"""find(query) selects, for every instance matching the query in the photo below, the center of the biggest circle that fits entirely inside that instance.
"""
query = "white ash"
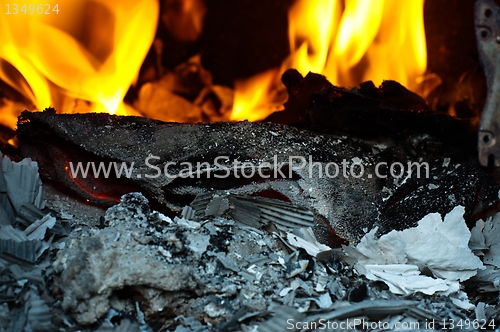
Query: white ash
(98, 262)
(215, 274)
(225, 265)
(147, 272)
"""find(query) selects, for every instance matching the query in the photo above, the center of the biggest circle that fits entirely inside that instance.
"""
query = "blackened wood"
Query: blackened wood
(351, 205)
(368, 112)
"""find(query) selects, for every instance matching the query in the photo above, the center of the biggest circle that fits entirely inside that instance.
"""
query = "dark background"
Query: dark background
(451, 40)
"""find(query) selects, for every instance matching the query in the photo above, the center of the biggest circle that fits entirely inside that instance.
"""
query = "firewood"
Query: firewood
(368, 112)
(351, 205)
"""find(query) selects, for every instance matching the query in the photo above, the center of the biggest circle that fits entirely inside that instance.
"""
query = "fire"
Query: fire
(69, 53)
(348, 42)
(251, 92)
(83, 55)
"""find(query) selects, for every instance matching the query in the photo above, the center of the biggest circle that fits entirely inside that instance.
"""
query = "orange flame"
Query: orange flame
(83, 55)
(253, 91)
(364, 40)
(69, 50)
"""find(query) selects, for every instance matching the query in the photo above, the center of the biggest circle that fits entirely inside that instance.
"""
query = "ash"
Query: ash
(140, 270)
(69, 266)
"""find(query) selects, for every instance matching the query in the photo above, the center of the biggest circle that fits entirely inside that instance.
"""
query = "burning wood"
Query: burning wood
(293, 163)
(262, 208)
(344, 196)
(370, 113)
(104, 47)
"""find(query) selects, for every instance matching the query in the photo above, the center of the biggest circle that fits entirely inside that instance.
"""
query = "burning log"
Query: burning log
(317, 171)
(368, 112)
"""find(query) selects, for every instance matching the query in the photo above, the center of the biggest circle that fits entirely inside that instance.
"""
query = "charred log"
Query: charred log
(368, 112)
(351, 204)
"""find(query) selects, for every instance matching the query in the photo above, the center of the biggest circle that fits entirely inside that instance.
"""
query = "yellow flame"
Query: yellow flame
(88, 49)
(349, 42)
(311, 26)
(258, 91)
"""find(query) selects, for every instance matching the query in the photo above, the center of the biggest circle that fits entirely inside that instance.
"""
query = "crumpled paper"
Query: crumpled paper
(435, 247)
